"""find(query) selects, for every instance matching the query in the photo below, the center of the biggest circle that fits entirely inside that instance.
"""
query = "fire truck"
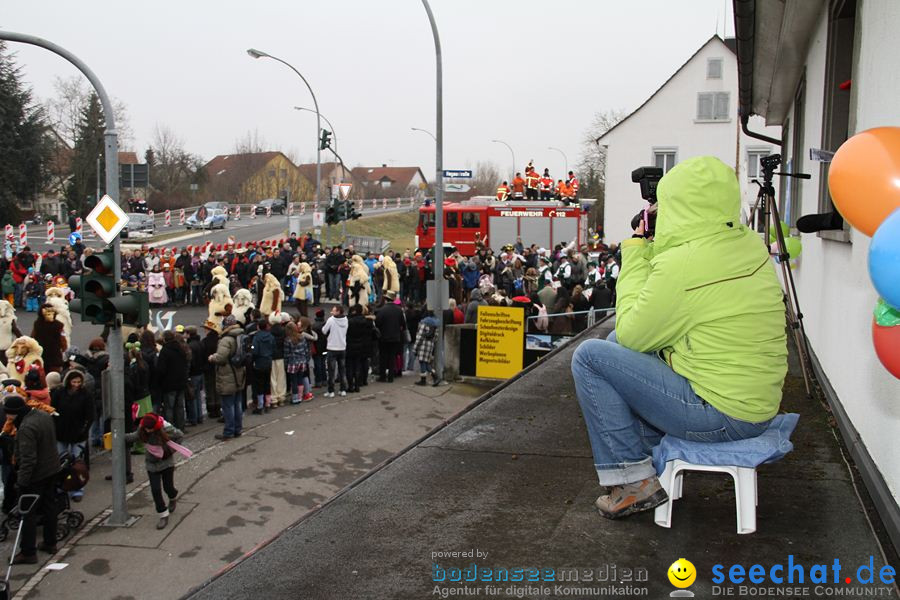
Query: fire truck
(497, 223)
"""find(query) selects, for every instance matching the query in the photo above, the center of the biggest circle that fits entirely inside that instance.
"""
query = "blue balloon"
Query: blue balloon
(884, 259)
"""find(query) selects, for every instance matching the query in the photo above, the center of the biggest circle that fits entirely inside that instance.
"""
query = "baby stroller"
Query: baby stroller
(23, 507)
(72, 476)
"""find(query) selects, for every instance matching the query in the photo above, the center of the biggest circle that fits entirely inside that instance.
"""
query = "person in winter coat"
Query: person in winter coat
(318, 349)
(150, 354)
(424, 347)
(700, 318)
(38, 465)
(76, 413)
(199, 364)
(390, 322)
(95, 362)
(172, 367)
(210, 344)
(361, 336)
(278, 381)
(155, 433)
(230, 378)
(263, 350)
(296, 359)
(475, 300)
(336, 330)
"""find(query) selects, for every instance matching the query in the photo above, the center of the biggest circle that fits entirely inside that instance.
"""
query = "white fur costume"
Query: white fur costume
(220, 303)
(391, 276)
(271, 296)
(359, 280)
(243, 300)
(220, 274)
(304, 289)
(24, 352)
(56, 297)
(7, 320)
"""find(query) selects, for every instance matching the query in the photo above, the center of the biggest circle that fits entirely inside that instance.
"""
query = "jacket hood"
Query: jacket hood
(697, 198)
(340, 321)
(476, 294)
(73, 373)
(233, 331)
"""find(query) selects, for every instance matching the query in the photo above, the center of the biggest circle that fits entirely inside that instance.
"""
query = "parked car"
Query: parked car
(219, 206)
(138, 205)
(139, 224)
(205, 218)
(276, 204)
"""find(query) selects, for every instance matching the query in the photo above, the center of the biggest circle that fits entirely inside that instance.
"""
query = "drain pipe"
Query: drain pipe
(745, 36)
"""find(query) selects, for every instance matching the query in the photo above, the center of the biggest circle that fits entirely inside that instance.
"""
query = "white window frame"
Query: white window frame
(664, 151)
(710, 69)
(717, 100)
(753, 156)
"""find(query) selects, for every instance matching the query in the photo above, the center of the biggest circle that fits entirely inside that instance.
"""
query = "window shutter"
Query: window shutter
(722, 102)
(704, 106)
(714, 68)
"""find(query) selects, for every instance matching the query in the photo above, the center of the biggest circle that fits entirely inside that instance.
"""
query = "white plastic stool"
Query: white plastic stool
(745, 492)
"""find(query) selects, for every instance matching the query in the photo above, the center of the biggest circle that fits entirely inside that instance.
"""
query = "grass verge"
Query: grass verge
(398, 228)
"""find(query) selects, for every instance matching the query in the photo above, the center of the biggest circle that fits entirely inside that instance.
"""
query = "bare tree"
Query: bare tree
(70, 97)
(592, 164)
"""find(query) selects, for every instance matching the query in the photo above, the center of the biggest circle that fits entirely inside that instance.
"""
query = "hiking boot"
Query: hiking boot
(624, 500)
(422, 381)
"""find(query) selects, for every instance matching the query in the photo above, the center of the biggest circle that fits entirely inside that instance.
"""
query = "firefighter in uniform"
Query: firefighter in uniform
(531, 182)
(560, 189)
(503, 192)
(573, 183)
(518, 187)
(546, 185)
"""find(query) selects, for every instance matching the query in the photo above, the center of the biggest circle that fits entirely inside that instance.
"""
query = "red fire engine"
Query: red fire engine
(498, 223)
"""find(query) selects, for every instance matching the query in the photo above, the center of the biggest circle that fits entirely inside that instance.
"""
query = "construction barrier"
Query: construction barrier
(384, 204)
(51, 235)
(237, 213)
(252, 211)
(303, 208)
(23, 235)
(78, 225)
(181, 217)
(374, 203)
(268, 211)
(398, 202)
(290, 209)
(168, 218)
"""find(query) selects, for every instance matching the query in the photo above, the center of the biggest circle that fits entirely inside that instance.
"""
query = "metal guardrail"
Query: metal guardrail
(592, 314)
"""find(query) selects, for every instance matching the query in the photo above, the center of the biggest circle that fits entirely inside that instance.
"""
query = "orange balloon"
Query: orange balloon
(864, 178)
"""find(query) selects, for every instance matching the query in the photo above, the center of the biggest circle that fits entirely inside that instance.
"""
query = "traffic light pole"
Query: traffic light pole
(119, 515)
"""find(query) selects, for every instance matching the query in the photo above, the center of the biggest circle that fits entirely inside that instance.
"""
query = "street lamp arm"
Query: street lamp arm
(511, 152)
(424, 131)
(333, 131)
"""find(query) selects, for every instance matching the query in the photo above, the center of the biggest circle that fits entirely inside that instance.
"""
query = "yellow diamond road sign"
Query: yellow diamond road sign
(107, 219)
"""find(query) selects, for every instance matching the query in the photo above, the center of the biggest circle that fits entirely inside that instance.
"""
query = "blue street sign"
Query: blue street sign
(458, 173)
(74, 237)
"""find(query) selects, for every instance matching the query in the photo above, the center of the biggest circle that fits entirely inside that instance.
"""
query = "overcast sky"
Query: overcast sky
(527, 72)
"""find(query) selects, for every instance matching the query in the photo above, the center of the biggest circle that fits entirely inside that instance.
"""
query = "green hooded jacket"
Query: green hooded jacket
(704, 294)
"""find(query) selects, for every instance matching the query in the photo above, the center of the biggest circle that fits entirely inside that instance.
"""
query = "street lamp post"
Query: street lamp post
(566, 158)
(513, 157)
(424, 131)
(260, 54)
(119, 515)
(438, 198)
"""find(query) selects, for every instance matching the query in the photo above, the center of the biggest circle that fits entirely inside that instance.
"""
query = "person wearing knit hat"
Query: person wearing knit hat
(156, 433)
(38, 462)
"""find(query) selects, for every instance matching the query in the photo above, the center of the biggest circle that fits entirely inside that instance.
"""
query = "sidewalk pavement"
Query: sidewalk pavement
(511, 484)
(235, 495)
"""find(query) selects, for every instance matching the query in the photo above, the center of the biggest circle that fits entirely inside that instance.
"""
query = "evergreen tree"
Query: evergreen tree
(82, 188)
(24, 151)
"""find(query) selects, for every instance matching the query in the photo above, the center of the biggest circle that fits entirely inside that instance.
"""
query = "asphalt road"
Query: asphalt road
(245, 230)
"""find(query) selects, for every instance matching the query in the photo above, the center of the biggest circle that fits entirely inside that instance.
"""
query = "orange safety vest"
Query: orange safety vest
(573, 183)
(561, 189)
(502, 192)
(546, 183)
(531, 179)
(567, 191)
(519, 185)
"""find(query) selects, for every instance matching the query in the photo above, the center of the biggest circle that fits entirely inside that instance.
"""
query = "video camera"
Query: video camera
(648, 178)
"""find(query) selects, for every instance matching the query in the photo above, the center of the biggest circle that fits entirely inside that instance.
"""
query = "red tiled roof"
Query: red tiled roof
(308, 170)
(248, 164)
(398, 176)
(128, 158)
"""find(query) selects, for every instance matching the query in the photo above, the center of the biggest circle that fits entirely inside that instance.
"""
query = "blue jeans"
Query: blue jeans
(233, 411)
(630, 400)
(195, 406)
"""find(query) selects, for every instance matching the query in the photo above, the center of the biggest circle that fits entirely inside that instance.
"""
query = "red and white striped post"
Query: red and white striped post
(78, 226)
(181, 217)
(10, 236)
(290, 209)
(252, 211)
(268, 211)
(384, 204)
(374, 203)
(150, 214)
(303, 208)
(411, 201)
(231, 240)
(398, 202)
(51, 235)
(237, 213)
(23, 235)
(168, 218)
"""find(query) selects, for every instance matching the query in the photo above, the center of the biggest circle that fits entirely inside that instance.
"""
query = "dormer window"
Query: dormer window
(714, 68)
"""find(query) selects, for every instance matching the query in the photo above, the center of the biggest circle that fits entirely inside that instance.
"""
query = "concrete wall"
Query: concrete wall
(668, 120)
(835, 292)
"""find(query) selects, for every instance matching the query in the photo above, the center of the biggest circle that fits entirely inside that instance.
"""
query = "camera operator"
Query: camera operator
(699, 351)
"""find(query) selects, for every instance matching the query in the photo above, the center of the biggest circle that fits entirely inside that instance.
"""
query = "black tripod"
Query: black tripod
(768, 208)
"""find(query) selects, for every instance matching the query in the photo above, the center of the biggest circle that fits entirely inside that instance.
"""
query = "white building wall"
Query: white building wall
(668, 120)
(835, 292)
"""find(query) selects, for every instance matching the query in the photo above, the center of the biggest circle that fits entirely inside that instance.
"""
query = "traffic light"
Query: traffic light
(96, 300)
(325, 142)
(352, 213)
(93, 290)
(331, 215)
(341, 211)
